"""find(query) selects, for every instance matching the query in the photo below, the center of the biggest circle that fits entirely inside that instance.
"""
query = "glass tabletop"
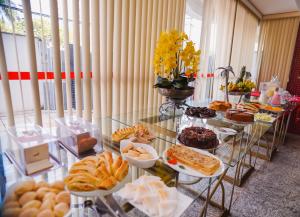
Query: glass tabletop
(10, 174)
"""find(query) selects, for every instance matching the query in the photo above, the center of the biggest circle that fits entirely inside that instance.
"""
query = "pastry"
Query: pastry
(61, 209)
(86, 144)
(152, 195)
(31, 195)
(40, 200)
(11, 212)
(139, 132)
(32, 204)
(97, 172)
(24, 187)
(203, 163)
(198, 137)
(30, 212)
(138, 153)
(63, 196)
(219, 105)
(46, 213)
(200, 112)
(248, 107)
(239, 115)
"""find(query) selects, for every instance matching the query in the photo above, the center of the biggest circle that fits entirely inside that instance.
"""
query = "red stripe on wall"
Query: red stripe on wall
(41, 75)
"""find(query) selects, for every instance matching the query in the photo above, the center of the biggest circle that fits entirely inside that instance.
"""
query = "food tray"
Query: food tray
(182, 204)
(191, 172)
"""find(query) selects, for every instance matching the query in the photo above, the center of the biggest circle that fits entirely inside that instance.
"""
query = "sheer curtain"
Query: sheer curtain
(277, 42)
(216, 39)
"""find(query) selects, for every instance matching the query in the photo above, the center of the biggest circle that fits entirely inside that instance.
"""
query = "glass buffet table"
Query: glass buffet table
(233, 151)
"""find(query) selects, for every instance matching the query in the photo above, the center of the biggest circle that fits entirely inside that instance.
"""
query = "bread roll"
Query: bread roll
(11, 212)
(11, 197)
(32, 204)
(48, 204)
(11, 204)
(24, 187)
(30, 195)
(61, 209)
(60, 185)
(42, 184)
(40, 193)
(86, 144)
(49, 195)
(64, 197)
(46, 213)
(31, 212)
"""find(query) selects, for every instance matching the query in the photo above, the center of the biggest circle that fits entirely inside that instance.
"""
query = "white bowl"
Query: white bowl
(139, 163)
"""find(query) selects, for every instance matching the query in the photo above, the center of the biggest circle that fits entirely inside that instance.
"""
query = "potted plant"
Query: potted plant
(176, 63)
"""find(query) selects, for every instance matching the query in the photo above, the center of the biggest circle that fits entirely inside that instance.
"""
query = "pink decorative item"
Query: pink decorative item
(276, 98)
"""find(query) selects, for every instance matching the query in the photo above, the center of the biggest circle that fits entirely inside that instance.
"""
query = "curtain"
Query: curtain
(215, 43)
(127, 76)
(277, 42)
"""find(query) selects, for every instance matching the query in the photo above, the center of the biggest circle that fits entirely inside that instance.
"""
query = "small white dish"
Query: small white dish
(139, 163)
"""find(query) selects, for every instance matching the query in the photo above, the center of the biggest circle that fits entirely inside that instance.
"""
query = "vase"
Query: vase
(176, 100)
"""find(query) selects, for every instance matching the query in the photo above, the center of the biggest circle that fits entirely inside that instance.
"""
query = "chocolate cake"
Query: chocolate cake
(198, 137)
(239, 115)
(200, 112)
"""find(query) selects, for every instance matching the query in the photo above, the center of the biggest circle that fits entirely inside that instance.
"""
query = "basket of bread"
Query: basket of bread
(29, 198)
(138, 133)
(97, 175)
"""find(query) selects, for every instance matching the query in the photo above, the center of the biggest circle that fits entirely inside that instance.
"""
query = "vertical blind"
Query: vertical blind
(123, 35)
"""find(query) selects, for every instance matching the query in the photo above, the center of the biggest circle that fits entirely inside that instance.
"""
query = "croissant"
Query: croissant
(122, 171)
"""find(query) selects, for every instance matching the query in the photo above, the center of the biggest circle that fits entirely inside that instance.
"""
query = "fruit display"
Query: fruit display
(242, 87)
(41, 199)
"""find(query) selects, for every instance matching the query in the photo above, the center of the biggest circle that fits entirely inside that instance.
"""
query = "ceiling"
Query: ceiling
(276, 6)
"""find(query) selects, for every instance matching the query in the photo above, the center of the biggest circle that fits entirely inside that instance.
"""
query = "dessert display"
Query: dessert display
(138, 153)
(40, 199)
(264, 117)
(151, 196)
(202, 163)
(250, 107)
(96, 172)
(239, 115)
(198, 137)
(139, 132)
(200, 112)
(219, 105)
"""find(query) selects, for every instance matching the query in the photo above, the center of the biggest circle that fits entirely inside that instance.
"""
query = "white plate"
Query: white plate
(139, 163)
(191, 172)
(226, 131)
(182, 204)
(11, 188)
(97, 193)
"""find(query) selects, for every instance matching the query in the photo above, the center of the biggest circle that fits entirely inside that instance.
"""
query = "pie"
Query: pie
(203, 163)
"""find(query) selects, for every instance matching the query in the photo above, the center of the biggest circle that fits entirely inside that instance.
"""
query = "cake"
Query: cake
(198, 137)
(239, 115)
(200, 112)
(219, 105)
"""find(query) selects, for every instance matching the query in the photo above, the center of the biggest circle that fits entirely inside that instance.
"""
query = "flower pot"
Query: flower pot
(177, 95)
